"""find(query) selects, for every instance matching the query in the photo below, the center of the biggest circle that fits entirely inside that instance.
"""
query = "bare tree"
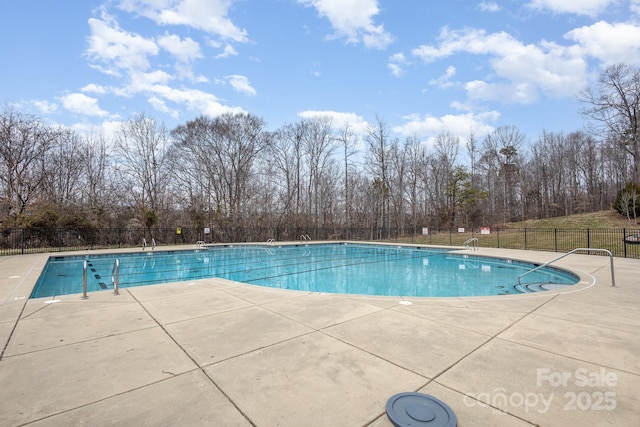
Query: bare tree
(225, 150)
(615, 166)
(590, 167)
(586, 173)
(378, 163)
(551, 166)
(398, 181)
(318, 146)
(244, 138)
(100, 187)
(197, 172)
(614, 104)
(24, 142)
(229, 171)
(442, 163)
(64, 164)
(502, 160)
(416, 167)
(142, 146)
(348, 139)
(472, 151)
(287, 160)
(627, 204)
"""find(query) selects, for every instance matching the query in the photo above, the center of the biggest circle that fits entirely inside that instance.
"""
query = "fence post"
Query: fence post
(22, 241)
(588, 239)
(525, 239)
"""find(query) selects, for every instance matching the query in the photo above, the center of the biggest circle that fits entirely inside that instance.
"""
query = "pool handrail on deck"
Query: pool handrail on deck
(115, 276)
(613, 279)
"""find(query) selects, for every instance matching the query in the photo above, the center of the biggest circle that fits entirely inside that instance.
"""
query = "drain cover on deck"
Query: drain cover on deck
(417, 410)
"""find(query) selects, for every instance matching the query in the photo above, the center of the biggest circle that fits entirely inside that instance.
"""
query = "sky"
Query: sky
(423, 67)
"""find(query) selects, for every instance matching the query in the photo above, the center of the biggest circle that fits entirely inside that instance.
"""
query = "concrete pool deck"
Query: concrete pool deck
(215, 352)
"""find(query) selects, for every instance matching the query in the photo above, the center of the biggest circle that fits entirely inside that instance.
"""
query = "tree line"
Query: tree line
(231, 171)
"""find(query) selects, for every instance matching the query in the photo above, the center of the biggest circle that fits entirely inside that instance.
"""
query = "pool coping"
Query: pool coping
(221, 349)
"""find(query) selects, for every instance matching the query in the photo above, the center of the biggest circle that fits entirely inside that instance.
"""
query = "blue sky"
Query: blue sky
(424, 67)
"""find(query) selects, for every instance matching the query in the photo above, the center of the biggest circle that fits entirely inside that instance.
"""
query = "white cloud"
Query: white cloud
(158, 104)
(470, 40)
(339, 120)
(227, 52)
(526, 70)
(241, 84)
(117, 49)
(155, 86)
(82, 104)
(444, 81)
(353, 19)
(142, 82)
(489, 6)
(133, 57)
(508, 93)
(376, 37)
(194, 100)
(94, 88)
(610, 43)
(396, 64)
(461, 125)
(578, 7)
(184, 50)
(395, 69)
(46, 107)
(206, 15)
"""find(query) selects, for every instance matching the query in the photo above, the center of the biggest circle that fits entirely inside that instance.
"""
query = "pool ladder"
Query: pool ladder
(115, 278)
(305, 237)
(473, 242)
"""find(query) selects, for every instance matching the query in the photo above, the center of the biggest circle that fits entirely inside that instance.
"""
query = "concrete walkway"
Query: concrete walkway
(220, 353)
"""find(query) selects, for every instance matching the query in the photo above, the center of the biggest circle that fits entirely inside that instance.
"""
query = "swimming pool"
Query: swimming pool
(329, 268)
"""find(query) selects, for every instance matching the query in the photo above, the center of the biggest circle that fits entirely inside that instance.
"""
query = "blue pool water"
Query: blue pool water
(330, 268)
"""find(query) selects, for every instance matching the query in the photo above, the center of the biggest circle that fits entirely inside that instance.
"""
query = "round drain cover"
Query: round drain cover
(418, 410)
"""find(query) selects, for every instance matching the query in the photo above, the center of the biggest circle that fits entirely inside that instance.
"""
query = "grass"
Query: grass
(601, 230)
(595, 220)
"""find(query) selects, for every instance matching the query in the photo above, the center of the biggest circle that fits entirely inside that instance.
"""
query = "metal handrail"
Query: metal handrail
(115, 276)
(84, 281)
(305, 237)
(613, 278)
(475, 243)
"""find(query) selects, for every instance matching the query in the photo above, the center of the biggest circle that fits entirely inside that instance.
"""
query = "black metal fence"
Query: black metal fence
(621, 242)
